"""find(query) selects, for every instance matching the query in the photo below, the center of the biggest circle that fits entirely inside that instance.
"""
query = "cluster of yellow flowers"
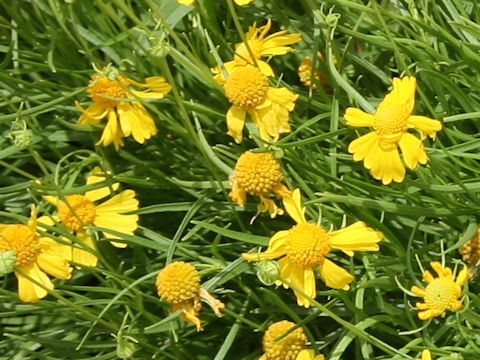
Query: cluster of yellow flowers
(303, 250)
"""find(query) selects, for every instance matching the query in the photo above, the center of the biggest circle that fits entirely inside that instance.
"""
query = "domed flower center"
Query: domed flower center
(390, 119)
(470, 251)
(21, 240)
(442, 293)
(258, 173)
(101, 86)
(246, 87)
(286, 348)
(76, 212)
(178, 282)
(307, 245)
(242, 55)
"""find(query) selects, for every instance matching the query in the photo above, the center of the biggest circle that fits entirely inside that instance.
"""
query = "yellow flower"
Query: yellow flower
(305, 247)
(35, 256)
(238, 2)
(258, 174)
(248, 91)
(124, 118)
(309, 355)
(441, 293)
(379, 148)
(470, 251)
(286, 348)
(260, 46)
(178, 283)
(77, 211)
(426, 355)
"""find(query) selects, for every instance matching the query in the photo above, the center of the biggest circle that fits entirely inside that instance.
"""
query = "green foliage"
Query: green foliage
(49, 49)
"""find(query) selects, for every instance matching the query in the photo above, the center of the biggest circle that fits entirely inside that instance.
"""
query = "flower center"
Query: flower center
(441, 293)
(470, 251)
(307, 245)
(178, 282)
(79, 212)
(258, 173)
(21, 240)
(246, 87)
(101, 86)
(286, 348)
(390, 119)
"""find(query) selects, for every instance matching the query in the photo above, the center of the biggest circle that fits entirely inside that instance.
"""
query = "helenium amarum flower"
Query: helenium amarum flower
(379, 149)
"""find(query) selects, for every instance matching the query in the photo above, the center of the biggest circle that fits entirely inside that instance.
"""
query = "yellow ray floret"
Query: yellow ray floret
(178, 283)
(259, 174)
(77, 211)
(115, 98)
(304, 248)
(36, 256)
(258, 45)
(441, 293)
(238, 2)
(309, 355)
(426, 355)
(379, 149)
(248, 91)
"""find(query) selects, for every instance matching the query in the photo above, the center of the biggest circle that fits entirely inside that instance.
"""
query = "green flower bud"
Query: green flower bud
(8, 259)
(19, 134)
(268, 271)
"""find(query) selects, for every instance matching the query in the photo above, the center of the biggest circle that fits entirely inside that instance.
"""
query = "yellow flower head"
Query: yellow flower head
(286, 348)
(426, 355)
(305, 72)
(309, 355)
(77, 211)
(441, 293)
(248, 91)
(258, 174)
(260, 46)
(35, 256)
(124, 118)
(238, 2)
(379, 148)
(305, 247)
(178, 283)
(470, 251)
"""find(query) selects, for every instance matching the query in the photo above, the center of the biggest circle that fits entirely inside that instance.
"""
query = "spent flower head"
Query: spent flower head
(305, 247)
(441, 293)
(178, 283)
(391, 121)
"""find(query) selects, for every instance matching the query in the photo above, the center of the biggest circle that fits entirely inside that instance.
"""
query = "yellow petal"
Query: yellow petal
(235, 122)
(357, 117)
(276, 248)
(424, 124)
(403, 93)
(385, 165)
(296, 277)
(52, 259)
(27, 290)
(94, 177)
(306, 355)
(135, 120)
(293, 206)
(81, 256)
(92, 115)
(426, 355)
(243, 2)
(356, 237)
(186, 2)
(265, 68)
(361, 147)
(112, 132)
(412, 150)
(335, 276)
(52, 200)
(269, 205)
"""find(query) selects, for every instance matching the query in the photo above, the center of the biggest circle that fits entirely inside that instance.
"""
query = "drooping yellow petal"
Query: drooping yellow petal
(112, 133)
(92, 115)
(424, 124)
(356, 237)
(296, 277)
(402, 94)
(243, 2)
(235, 122)
(412, 150)
(361, 147)
(357, 117)
(94, 177)
(293, 206)
(426, 355)
(186, 2)
(27, 290)
(52, 258)
(135, 120)
(108, 214)
(267, 204)
(81, 256)
(335, 276)
(265, 68)
(385, 165)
